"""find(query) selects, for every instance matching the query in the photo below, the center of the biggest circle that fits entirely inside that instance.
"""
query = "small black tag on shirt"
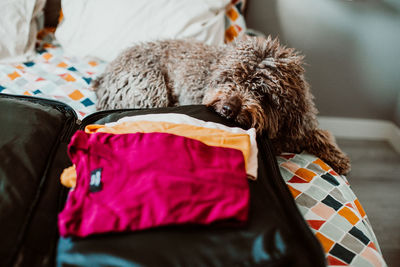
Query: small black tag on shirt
(95, 180)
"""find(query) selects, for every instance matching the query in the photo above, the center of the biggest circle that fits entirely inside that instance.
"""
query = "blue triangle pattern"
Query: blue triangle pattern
(87, 80)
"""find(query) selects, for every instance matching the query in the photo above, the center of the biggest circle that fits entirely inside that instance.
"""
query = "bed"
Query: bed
(325, 199)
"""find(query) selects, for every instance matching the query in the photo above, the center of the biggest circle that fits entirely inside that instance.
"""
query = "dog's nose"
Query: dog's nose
(227, 111)
(231, 107)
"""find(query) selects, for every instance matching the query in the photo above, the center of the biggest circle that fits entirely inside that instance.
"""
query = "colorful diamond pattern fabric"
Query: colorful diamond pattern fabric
(332, 211)
(54, 76)
(235, 25)
(324, 198)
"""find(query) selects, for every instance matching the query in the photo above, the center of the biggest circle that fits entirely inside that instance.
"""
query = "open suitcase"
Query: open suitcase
(33, 152)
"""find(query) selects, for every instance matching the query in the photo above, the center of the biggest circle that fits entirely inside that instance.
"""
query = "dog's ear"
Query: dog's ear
(247, 41)
(284, 83)
(279, 66)
(256, 43)
(240, 39)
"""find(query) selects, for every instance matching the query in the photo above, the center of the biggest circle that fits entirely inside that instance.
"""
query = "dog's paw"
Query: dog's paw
(322, 144)
(341, 164)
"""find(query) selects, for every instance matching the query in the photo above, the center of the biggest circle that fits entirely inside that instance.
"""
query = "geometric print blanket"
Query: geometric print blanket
(323, 197)
(52, 75)
(332, 211)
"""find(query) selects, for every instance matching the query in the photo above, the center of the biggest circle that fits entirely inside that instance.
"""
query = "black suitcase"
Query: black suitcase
(33, 141)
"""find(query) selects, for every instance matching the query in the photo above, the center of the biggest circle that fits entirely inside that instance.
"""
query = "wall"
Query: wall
(352, 51)
(397, 111)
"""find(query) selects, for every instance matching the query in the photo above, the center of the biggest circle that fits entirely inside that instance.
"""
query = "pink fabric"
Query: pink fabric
(149, 180)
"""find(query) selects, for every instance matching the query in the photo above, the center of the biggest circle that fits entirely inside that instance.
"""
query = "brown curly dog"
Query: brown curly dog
(255, 81)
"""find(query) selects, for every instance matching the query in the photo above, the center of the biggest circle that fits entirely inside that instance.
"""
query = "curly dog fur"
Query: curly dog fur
(256, 82)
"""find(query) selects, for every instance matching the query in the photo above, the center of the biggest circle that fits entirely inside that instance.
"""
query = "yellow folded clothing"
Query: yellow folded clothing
(252, 164)
(209, 136)
(68, 176)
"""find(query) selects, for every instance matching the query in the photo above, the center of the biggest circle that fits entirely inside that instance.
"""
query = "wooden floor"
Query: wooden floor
(375, 179)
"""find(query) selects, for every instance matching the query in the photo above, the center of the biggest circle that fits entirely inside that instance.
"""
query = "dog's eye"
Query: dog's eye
(253, 86)
(275, 99)
(257, 93)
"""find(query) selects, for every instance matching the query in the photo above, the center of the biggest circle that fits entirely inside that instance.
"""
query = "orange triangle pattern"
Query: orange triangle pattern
(68, 77)
(360, 208)
(335, 261)
(294, 192)
(232, 14)
(372, 245)
(306, 174)
(287, 156)
(13, 75)
(47, 56)
(322, 164)
(333, 173)
(62, 65)
(349, 205)
(315, 224)
(296, 179)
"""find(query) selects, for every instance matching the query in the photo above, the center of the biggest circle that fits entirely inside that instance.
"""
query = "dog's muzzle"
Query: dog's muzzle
(231, 107)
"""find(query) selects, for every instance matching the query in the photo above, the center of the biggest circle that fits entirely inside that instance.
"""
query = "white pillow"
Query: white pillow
(103, 28)
(18, 29)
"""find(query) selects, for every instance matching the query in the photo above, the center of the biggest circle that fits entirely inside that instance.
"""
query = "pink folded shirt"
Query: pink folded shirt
(143, 180)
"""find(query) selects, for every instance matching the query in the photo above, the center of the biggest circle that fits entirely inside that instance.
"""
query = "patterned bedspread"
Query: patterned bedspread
(324, 198)
(52, 75)
(332, 211)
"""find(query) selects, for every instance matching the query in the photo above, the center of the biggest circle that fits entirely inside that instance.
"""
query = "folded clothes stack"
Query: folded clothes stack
(156, 170)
